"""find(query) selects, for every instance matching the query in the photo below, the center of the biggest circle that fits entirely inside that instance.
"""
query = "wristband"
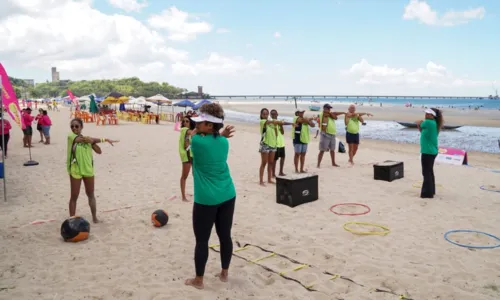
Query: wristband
(103, 140)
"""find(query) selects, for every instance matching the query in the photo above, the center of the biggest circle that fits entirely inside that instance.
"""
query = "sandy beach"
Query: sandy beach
(127, 258)
(453, 116)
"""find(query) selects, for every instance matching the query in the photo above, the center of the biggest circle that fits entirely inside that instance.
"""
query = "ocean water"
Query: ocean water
(470, 138)
(483, 103)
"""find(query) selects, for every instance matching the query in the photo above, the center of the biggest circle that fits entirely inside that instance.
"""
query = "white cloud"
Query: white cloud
(216, 64)
(129, 5)
(222, 30)
(277, 35)
(249, 45)
(179, 24)
(84, 43)
(431, 75)
(421, 11)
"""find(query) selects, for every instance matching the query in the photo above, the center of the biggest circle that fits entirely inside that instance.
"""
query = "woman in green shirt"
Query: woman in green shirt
(80, 165)
(185, 152)
(429, 131)
(268, 145)
(214, 191)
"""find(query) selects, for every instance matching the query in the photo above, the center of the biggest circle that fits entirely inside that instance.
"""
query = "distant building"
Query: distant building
(200, 91)
(55, 75)
(29, 82)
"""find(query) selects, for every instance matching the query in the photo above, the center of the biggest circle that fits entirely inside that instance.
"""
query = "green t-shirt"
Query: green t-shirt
(331, 127)
(304, 132)
(429, 137)
(280, 139)
(212, 180)
(82, 163)
(353, 125)
(269, 137)
(182, 142)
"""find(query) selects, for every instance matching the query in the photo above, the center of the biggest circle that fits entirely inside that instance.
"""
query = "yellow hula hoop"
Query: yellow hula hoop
(385, 232)
(419, 185)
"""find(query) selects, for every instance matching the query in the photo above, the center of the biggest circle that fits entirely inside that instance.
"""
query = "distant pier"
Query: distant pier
(319, 97)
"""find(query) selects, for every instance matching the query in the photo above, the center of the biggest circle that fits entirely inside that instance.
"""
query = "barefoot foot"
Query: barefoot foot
(95, 220)
(185, 199)
(262, 183)
(194, 283)
(282, 174)
(335, 165)
(223, 276)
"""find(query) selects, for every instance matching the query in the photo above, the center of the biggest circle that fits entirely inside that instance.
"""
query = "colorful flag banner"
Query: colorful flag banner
(9, 99)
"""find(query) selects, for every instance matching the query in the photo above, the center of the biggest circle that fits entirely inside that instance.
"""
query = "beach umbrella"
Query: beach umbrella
(115, 98)
(201, 103)
(159, 100)
(184, 103)
(93, 106)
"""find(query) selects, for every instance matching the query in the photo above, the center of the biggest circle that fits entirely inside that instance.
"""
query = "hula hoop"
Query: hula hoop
(419, 185)
(489, 188)
(470, 246)
(352, 204)
(385, 232)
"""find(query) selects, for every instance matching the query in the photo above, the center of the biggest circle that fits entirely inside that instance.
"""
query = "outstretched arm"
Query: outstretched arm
(91, 140)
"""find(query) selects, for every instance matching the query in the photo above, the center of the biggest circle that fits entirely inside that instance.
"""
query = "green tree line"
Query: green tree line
(127, 86)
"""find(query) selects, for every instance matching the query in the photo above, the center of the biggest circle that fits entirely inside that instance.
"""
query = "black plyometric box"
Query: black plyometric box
(296, 189)
(388, 170)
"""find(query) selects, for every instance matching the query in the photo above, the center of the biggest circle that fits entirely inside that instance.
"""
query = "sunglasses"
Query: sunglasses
(75, 126)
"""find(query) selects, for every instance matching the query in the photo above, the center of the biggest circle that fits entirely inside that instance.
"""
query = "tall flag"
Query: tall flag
(74, 100)
(9, 99)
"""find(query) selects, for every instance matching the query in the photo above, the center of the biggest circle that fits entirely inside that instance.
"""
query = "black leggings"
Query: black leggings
(429, 184)
(204, 217)
(6, 137)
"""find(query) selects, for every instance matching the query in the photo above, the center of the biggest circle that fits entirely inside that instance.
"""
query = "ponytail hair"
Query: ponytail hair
(439, 118)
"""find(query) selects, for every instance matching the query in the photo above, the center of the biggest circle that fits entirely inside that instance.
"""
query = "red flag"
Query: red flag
(74, 99)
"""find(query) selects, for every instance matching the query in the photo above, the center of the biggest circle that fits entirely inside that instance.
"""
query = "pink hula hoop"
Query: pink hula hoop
(352, 204)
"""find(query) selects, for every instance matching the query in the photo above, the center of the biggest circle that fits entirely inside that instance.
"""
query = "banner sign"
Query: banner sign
(9, 99)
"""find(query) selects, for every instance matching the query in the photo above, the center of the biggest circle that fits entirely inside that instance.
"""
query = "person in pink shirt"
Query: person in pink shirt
(28, 130)
(39, 125)
(46, 123)
(5, 135)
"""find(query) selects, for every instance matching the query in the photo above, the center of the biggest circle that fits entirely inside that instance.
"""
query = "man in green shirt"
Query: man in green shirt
(328, 129)
(352, 120)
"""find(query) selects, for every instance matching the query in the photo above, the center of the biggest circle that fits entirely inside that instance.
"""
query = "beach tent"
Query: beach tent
(200, 104)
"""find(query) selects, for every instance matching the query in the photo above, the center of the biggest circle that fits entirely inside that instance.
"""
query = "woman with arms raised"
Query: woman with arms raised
(80, 165)
(214, 191)
(429, 131)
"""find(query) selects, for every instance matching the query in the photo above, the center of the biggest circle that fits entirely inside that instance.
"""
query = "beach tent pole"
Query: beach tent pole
(3, 143)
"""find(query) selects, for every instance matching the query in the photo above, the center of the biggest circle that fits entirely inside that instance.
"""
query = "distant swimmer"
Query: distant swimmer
(352, 120)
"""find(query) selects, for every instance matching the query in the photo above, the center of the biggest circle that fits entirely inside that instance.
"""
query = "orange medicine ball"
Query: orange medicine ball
(75, 229)
(159, 218)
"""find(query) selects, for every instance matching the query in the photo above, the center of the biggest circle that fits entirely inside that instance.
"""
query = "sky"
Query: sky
(261, 47)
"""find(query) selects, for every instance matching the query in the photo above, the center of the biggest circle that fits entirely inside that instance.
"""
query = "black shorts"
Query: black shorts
(352, 138)
(28, 130)
(280, 152)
